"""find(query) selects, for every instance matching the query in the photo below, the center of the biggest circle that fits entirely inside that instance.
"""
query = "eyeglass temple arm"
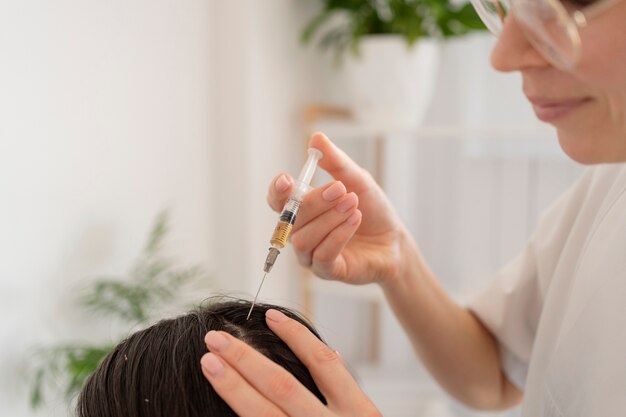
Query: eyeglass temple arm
(500, 10)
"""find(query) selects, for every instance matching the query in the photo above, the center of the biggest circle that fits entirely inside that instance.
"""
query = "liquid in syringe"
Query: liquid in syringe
(289, 214)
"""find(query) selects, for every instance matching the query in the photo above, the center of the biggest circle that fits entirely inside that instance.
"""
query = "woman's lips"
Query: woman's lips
(549, 110)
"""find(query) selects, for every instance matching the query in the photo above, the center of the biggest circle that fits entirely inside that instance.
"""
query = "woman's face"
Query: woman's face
(588, 105)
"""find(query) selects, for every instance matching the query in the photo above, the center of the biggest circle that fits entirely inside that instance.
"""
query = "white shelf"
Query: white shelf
(508, 142)
(347, 129)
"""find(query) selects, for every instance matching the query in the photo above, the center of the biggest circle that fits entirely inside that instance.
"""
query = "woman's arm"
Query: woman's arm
(460, 353)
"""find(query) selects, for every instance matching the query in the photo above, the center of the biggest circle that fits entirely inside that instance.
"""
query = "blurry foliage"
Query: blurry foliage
(343, 23)
(152, 282)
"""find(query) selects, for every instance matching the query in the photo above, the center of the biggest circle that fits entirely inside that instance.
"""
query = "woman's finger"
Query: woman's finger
(313, 231)
(339, 165)
(279, 190)
(317, 201)
(326, 259)
(349, 175)
(235, 390)
(324, 364)
(270, 379)
(320, 200)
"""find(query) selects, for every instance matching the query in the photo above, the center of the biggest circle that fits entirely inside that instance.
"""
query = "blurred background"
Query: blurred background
(111, 112)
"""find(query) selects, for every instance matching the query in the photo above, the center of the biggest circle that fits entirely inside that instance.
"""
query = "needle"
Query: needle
(255, 297)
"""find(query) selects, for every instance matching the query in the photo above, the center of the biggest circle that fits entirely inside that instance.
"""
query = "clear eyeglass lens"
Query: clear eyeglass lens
(491, 12)
(550, 29)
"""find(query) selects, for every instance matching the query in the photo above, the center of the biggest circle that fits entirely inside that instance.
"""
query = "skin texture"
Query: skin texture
(368, 243)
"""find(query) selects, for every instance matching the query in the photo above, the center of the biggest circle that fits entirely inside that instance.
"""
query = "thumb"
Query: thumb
(339, 165)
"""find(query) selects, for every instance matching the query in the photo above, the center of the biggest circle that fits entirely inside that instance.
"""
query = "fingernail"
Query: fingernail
(275, 316)
(212, 365)
(215, 341)
(334, 192)
(345, 205)
(355, 218)
(282, 183)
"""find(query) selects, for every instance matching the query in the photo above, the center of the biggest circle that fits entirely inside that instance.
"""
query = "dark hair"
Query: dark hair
(156, 372)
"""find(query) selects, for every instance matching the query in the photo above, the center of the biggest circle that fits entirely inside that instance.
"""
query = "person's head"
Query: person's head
(156, 372)
(572, 58)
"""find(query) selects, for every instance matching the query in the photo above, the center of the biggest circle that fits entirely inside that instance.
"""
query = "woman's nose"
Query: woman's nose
(513, 51)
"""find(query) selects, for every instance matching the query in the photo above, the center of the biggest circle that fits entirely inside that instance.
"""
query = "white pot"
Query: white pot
(391, 84)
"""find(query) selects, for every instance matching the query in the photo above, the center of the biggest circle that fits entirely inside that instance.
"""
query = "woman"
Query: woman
(549, 331)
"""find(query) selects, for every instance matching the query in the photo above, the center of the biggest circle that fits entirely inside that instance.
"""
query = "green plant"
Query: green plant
(343, 23)
(151, 283)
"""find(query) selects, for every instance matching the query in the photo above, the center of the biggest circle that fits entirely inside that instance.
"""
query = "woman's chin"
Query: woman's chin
(580, 148)
(590, 148)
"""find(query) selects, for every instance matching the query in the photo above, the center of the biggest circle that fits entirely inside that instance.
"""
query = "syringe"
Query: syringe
(288, 215)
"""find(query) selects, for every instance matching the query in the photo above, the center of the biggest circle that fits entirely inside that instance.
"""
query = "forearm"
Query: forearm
(451, 342)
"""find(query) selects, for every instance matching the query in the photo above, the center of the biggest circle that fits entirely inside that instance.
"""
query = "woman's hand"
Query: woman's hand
(345, 230)
(255, 386)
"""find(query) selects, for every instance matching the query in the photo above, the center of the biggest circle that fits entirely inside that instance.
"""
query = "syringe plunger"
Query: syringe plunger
(306, 174)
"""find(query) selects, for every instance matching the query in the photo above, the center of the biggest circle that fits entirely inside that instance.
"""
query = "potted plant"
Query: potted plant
(389, 51)
(152, 283)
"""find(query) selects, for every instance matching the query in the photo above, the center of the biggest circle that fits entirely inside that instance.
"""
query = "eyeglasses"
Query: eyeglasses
(551, 27)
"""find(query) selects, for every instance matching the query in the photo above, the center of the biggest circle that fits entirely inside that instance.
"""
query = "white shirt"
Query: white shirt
(559, 309)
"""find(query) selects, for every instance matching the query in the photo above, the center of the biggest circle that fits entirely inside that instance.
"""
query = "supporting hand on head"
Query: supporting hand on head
(254, 386)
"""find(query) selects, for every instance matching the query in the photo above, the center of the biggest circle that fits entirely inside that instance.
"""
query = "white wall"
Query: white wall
(263, 80)
(104, 120)
(110, 111)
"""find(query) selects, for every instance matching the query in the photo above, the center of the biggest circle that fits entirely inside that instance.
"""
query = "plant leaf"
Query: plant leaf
(412, 19)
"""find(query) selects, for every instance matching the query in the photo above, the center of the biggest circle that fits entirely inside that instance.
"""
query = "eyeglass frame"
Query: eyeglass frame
(579, 18)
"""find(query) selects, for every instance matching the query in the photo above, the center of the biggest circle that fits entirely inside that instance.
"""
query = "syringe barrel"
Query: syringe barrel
(299, 191)
(292, 206)
(281, 234)
(285, 222)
